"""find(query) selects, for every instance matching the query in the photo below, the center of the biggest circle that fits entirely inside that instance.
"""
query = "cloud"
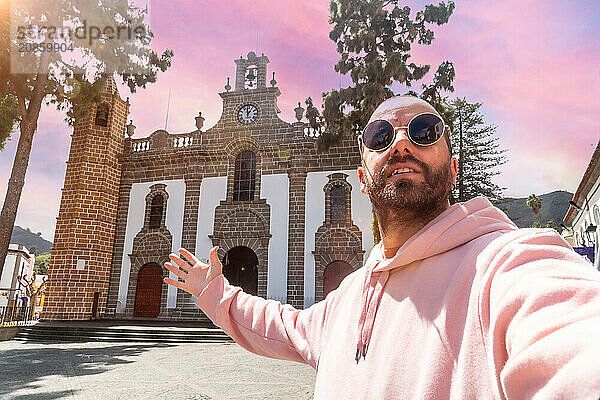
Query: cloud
(537, 78)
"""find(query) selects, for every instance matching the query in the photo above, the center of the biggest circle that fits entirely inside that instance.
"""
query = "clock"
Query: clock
(247, 114)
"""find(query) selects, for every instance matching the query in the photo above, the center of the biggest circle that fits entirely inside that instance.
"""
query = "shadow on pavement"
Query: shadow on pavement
(22, 368)
(46, 396)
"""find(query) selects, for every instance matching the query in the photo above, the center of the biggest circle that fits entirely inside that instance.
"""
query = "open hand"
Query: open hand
(193, 275)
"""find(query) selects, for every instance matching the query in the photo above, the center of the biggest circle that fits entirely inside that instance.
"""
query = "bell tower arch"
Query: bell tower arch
(251, 73)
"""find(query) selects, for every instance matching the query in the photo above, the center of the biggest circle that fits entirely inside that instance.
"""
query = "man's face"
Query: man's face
(423, 190)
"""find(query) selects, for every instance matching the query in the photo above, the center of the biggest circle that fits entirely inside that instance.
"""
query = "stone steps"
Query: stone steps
(92, 331)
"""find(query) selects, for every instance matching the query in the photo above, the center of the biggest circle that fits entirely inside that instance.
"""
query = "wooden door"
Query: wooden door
(148, 292)
(334, 274)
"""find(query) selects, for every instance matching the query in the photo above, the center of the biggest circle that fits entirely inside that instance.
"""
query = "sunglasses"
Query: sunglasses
(423, 130)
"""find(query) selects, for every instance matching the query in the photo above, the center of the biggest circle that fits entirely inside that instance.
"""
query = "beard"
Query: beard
(403, 200)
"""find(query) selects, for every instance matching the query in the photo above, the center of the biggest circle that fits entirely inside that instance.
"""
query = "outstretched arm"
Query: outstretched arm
(265, 327)
(543, 310)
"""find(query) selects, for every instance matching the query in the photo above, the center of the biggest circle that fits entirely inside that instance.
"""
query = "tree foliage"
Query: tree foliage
(71, 84)
(69, 79)
(548, 224)
(42, 262)
(374, 39)
(535, 203)
(9, 118)
(475, 145)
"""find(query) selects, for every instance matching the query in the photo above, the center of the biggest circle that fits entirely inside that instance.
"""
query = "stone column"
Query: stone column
(117, 256)
(190, 225)
(295, 278)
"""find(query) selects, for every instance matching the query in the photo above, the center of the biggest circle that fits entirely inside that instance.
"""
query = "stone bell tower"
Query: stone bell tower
(83, 243)
(251, 73)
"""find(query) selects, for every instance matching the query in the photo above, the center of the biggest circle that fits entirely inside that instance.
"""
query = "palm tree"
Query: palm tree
(535, 203)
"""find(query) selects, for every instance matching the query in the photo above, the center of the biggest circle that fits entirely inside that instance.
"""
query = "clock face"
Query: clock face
(248, 114)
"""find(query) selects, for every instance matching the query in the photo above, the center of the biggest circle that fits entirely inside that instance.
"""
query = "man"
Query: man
(455, 302)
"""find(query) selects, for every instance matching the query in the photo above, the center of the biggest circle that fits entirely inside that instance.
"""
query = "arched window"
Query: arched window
(244, 177)
(156, 211)
(338, 203)
(597, 214)
(102, 115)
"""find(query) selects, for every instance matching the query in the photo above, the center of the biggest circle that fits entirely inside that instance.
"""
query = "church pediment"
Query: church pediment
(159, 139)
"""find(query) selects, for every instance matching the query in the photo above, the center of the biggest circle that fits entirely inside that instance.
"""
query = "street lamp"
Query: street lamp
(590, 233)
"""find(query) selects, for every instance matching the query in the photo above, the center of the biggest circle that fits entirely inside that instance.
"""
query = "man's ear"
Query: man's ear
(362, 179)
(454, 168)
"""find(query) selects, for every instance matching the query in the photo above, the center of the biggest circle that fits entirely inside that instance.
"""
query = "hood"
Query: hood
(457, 225)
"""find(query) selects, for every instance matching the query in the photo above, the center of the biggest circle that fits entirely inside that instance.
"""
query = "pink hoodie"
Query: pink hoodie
(471, 307)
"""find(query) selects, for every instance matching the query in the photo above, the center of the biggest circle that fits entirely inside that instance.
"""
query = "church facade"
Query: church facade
(290, 223)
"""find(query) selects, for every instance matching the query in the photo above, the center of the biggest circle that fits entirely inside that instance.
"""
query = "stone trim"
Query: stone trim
(338, 179)
(260, 246)
(148, 247)
(234, 148)
(336, 240)
(155, 190)
(106, 108)
(336, 244)
(254, 216)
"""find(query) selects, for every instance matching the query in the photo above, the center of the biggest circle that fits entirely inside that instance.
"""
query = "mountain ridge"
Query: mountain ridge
(29, 239)
(554, 207)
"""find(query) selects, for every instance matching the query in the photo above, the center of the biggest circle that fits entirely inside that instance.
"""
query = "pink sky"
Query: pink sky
(534, 65)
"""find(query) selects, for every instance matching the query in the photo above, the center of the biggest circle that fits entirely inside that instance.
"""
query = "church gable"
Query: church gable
(224, 202)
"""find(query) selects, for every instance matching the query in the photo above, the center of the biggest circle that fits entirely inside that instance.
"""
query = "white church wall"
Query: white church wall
(315, 216)
(362, 213)
(276, 189)
(212, 192)
(135, 222)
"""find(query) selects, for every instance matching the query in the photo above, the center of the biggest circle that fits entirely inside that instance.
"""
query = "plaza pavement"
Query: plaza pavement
(189, 371)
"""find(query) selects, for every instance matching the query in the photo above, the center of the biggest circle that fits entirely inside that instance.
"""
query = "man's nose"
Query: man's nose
(401, 142)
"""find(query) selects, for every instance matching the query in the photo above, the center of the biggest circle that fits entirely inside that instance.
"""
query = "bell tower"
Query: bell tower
(252, 104)
(83, 243)
(251, 73)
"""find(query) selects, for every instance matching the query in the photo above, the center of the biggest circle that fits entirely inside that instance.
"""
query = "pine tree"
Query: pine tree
(475, 145)
(374, 39)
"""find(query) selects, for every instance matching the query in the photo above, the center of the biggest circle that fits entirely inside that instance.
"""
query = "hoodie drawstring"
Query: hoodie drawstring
(371, 296)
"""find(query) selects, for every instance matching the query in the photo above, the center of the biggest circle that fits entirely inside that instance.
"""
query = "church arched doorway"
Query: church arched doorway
(148, 291)
(240, 267)
(333, 275)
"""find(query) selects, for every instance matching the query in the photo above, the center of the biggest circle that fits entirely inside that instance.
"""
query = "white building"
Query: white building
(583, 216)
(19, 262)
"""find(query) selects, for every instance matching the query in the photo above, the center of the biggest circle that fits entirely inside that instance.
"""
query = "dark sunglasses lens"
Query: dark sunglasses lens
(378, 135)
(426, 129)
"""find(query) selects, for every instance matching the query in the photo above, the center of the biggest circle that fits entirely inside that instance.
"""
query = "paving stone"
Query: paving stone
(190, 371)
